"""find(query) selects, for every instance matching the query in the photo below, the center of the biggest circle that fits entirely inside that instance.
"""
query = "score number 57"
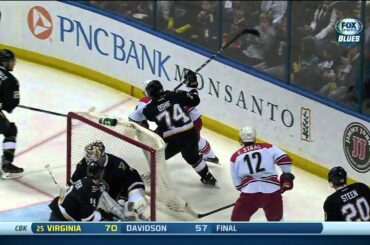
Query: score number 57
(200, 228)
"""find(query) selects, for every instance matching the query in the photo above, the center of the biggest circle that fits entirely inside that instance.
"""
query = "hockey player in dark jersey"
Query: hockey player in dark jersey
(348, 202)
(9, 99)
(122, 181)
(193, 113)
(166, 109)
(80, 202)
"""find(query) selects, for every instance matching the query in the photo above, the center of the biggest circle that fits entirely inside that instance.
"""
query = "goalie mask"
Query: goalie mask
(95, 152)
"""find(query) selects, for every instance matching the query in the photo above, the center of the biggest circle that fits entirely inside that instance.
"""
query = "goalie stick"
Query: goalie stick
(245, 31)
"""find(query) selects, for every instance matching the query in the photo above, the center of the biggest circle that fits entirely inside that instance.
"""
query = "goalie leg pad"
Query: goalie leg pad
(109, 205)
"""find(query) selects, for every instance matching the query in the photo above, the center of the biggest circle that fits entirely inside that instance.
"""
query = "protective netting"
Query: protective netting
(130, 142)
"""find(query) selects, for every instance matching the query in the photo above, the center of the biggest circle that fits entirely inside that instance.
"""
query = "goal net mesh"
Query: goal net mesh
(140, 148)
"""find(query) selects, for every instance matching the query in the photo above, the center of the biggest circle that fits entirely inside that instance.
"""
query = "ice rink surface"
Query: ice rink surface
(42, 141)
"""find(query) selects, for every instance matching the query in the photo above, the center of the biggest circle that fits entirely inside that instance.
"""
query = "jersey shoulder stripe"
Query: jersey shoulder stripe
(283, 160)
(145, 100)
(236, 154)
(264, 145)
(246, 149)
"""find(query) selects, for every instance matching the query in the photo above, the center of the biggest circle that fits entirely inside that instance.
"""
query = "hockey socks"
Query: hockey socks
(206, 177)
(206, 151)
(8, 170)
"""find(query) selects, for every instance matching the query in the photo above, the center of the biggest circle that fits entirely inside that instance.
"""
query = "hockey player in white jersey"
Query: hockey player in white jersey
(254, 174)
(194, 114)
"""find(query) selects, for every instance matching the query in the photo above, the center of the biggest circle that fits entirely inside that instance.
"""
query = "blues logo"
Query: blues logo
(348, 31)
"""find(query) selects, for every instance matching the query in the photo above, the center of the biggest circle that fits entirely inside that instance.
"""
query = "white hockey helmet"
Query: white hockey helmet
(247, 135)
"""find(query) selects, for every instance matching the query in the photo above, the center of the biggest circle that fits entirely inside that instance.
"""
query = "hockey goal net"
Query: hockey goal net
(140, 148)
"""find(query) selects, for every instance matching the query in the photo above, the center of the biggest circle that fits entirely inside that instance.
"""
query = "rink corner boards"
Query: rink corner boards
(184, 228)
(125, 87)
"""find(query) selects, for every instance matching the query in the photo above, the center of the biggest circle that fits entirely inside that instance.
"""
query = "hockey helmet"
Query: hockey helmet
(94, 151)
(145, 84)
(95, 170)
(337, 176)
(247, 135)
(190, 75)
(6, 55)
(154, 89)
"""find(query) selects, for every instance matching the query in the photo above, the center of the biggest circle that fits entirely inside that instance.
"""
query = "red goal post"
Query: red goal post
(141, 148)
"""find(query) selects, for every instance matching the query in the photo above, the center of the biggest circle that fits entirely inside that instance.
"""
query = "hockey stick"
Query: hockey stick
(245, 31)
(47, 166)
(41, 110)
(215, 211)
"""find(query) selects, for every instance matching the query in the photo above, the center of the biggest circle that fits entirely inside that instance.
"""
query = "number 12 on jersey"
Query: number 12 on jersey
(254, 167)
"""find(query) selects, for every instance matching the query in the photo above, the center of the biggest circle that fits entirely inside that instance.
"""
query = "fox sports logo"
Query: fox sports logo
(348, 31)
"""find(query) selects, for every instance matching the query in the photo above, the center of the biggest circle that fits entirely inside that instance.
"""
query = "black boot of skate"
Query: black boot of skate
(10, 171)
(208, 179)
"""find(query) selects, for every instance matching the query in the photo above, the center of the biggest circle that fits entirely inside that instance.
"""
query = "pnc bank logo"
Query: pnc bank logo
(40, 22)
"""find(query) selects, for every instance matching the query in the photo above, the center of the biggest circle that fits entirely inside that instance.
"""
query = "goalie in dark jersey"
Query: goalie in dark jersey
(348, 202)
(122, 182)
(167, 110)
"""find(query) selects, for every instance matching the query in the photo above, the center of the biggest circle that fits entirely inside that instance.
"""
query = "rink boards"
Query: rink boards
(318, 134)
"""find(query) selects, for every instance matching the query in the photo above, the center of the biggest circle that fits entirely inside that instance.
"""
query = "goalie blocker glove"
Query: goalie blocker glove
(137, 197)
(286, 182)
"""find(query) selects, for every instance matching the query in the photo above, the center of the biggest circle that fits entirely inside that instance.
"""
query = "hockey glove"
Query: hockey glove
(191, 79)
(140, 206)
(130, 214)
(137, 197)
(286, 182)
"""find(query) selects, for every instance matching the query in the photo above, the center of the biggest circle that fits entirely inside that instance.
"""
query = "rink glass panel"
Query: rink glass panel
(266, 53)
(318, 62)
(194, 21)
(289, 49)
(366, 104)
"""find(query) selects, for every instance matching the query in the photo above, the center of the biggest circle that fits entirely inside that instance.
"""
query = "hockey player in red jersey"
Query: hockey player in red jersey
(194, 114)
(254, 174)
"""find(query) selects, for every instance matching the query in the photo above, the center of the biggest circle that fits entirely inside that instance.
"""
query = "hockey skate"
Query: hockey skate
(10, 171)
(214, 160)
(208, 179)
